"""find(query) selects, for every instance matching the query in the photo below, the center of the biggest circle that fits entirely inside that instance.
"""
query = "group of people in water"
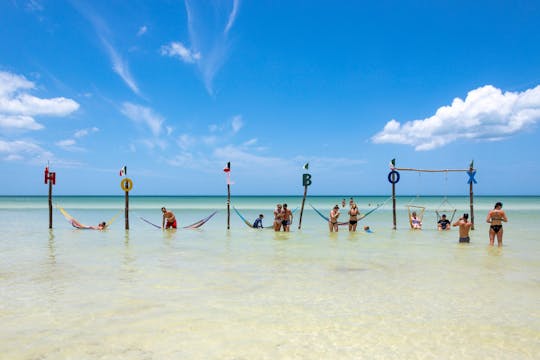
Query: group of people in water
(495, 218)
(283, 218)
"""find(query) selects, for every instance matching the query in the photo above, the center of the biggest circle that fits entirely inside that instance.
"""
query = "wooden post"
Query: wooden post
(471, 197)
(127, 210)
(50, 204)
(227, 171)
(394, 217)
(302, 208)
(228, 206)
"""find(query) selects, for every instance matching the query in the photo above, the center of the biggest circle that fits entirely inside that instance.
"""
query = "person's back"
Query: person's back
(464, 228)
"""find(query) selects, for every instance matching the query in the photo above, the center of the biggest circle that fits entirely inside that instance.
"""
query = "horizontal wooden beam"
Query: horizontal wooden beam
(430, 170)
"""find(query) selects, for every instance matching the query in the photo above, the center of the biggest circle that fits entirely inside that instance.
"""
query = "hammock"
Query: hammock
(247, 222)
(195, 225)
(442, 210)
(419, 213)
(76, 224)
(362, 216)
(250, 224)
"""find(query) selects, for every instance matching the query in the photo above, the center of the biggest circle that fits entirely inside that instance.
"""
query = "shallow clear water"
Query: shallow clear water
(245, 293)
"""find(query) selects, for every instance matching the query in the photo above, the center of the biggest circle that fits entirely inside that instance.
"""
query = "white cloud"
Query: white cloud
(143, 115)
(250, 142)
(177, 49)
(142, 30)
(120, 66)
(18, 107)
(232, 15)
(185, 141)
(19, 150)
(208, 24)
(19, 122)
(486, 114)
(85, 132)
(237, 123)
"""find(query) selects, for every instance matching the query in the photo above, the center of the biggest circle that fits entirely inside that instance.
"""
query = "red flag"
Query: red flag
(228, 168)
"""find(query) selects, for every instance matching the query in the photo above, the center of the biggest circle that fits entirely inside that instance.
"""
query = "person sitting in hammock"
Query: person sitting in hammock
(258, 222)
(102, 225)
(416, 222)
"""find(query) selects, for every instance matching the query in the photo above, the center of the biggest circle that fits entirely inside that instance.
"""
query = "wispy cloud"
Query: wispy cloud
(26, 150)
(232, 16)
(142, 30)
(119, 65)
(177, 49)
(237, 123)
(85, 132)
(486, 114)
(209, 24)
(143, 115)
(18, 107)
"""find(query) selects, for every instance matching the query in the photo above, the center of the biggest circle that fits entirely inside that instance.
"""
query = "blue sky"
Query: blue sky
(176, 89)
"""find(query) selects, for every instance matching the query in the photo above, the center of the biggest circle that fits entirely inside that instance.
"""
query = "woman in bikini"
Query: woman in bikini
(353, 217)
(277, 218)
(495, 217)
(333, 221)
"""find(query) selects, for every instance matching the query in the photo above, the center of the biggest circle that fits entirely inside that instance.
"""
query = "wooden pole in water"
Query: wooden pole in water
(394, 217)
(302, 208)
(227, 170)
(50, 204)
(471, 196)
(127, 210)
(228, 206)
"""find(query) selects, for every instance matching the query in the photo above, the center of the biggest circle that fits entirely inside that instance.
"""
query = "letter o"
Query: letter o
(391, 178)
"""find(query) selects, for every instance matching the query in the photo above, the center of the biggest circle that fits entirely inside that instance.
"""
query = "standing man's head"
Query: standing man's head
(163, 209)
(465, 216)
(498, 205)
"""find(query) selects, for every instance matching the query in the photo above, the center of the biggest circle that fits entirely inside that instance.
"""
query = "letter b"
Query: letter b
(306, 179)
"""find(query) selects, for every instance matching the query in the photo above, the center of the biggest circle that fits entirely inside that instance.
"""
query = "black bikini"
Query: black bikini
(496, 228)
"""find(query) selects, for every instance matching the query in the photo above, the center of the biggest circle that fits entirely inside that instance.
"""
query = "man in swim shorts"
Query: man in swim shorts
(286, 218)
(495, 217)
(168, 216)
(464, 228)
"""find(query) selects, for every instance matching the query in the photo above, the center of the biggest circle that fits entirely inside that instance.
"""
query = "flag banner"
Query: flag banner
(123, 171)
(306, 166)
(392, 164)
(228, 167)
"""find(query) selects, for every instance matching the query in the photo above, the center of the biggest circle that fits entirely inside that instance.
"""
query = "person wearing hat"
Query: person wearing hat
(333, 220)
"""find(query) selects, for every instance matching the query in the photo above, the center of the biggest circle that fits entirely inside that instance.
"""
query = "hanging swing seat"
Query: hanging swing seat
(419, 210)
(445, 209)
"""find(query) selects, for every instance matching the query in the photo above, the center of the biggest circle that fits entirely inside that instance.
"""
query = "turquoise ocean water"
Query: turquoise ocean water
(256, 294)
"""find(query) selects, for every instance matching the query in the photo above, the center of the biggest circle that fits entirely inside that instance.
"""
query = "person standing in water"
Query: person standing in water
(353, 217)
(277, 217)
(464, 228)
(286, 218)
(333, 220)
(495, 217)
(168, 216)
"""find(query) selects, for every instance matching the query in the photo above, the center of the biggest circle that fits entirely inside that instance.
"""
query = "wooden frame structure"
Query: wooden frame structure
(393, 178)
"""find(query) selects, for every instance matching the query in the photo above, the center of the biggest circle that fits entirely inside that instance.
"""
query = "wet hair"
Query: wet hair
(498, 203)
(284, 205)
(465, 216)
(261, 215)
(163, 209)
